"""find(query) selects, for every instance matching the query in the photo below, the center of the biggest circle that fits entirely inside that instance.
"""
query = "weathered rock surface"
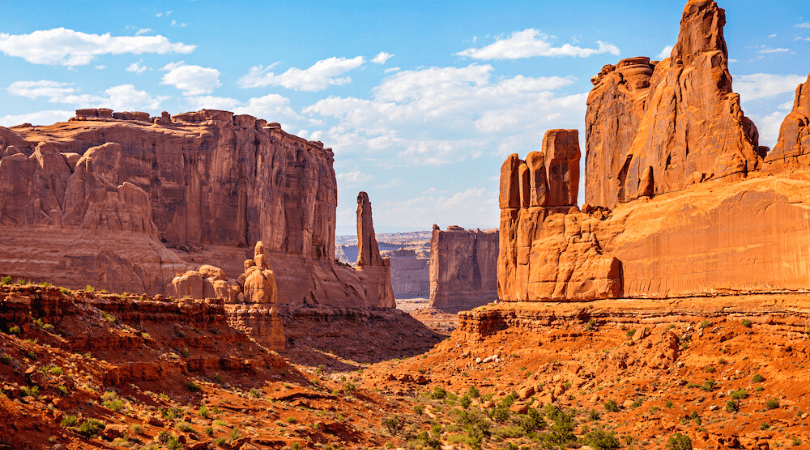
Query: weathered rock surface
(369, 262)
(463, 267)
(191, 181)
(794, 134)
(672, 119)
(410, 273)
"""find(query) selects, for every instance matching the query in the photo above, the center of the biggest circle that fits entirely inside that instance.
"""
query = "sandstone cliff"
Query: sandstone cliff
(654, 128)
(463, 267)
(206, 185)
(794, 135)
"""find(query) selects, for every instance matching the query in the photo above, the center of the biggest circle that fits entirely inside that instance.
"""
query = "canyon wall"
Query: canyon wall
(463, 267)
(680, 200)
(180, 190)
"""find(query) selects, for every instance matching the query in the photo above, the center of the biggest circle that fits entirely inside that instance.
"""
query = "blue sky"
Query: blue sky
(420, 100)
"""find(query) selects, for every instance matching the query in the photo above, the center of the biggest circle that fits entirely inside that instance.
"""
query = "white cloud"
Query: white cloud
(804, 25)
(456, 209)
(321, 75)
(394, 182)
(137, 67)
(176, 24)
(354, 178)
(799, 38)
(666, 52)
(192, 80)
(271, 107)
(64, 47)
(392, 69)
(101, 67)
(772, 35)
(762, 85)
(143, 31)
(438, 115)
(382, 57)
(531, 42)
(119, 98)
(37, 118)
(768, 127)
(768, 50)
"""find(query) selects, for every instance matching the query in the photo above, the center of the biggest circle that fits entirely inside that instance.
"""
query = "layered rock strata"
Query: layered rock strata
(656, 127)
(205, 185)
(463, 267)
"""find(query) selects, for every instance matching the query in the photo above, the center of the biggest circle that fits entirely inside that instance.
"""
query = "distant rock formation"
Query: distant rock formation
(793, 145)
(125, 202)
(678, 121)
(463, 267)
(410, 272)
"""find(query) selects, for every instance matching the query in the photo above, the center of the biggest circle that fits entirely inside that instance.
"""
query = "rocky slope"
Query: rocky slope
(205, 186)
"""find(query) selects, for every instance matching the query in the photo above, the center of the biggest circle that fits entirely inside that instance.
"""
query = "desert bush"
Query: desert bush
(69, 421)
(5, 281)
(14, 329)
(31, 391)
(611, 406)
(349, 388)
(757, 378)
(732, 406)
(739, 394)
(599, 439)
(465, 401)
(5, 359)
(193, 387)
(746, 323)
(418, 409)
(473, 392)
(772, 403)
(438, 393)
(203, 412)
(90, 427)
(532, 421)
(394, 424)
(679, 442)
(705, 324)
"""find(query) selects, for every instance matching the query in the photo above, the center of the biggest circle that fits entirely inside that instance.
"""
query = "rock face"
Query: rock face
(369, 261)
(410, 273)
(676, 120)
(205, 184)
(794, 135)
(696, 212)
(463, 267)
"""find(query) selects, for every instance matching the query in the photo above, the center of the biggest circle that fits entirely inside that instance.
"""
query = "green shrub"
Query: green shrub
(438, 393)
(739, 394)
(5, 359)
(532, 421)
(209, 431)
(69, 421)
(193, 387)
(601, 440)
(349, 388)
(772, 403)
(679, 442)
(62, 390)
(465, 401)
(5, 280)
(668, 404)
(732, 406)
(418, 409)
(630, 333)
(499, 414)
(473, 392)
(55, 370)
(594, 415)
(611, 406)
(757, 378)
(108, 317)
(31, 391)
(394, 424)
(90, 427)
(705, 324)
(746, 323)
(116, 405)
(203, 412)
(14, 329)
(185, 427)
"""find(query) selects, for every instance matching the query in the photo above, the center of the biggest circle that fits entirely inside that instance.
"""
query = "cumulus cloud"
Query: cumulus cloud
(382, 57)
(804, 25)
(456, 208)
(392, 69)
(354, 178)
(119, 98)
(768, 50)
(666, 52)
(143, 31)
(137, 67)
(321, 75)
(61, 46)
(192, 80)
(531, 42)
(762, 85)
(439, 115)
(36, 118)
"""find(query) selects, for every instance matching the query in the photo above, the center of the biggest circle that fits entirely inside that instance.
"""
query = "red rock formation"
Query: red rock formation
(687, 121)
(206, 184)
(794, 135)
(369, 260)
(463, 267)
